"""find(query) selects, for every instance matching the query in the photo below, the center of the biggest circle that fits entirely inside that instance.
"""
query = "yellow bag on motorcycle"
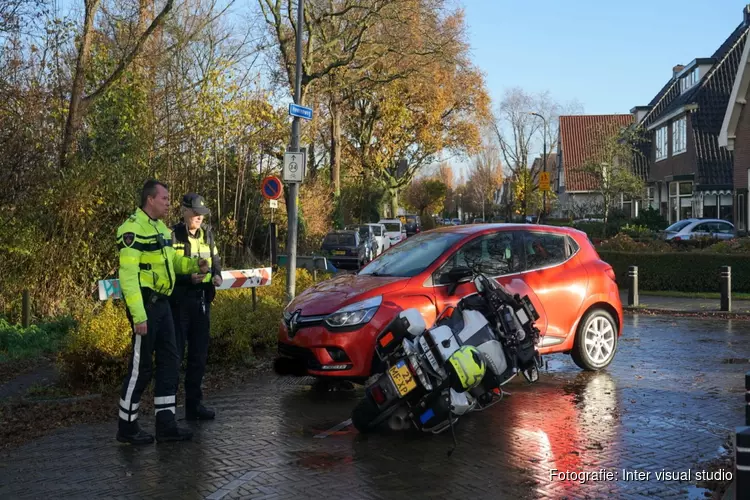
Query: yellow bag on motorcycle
(466, 368)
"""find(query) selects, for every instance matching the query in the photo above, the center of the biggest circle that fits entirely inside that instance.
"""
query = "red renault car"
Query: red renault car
(329, 330)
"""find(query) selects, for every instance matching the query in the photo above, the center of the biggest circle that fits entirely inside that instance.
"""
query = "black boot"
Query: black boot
(130, 432)
(168, 430)
(198, 412)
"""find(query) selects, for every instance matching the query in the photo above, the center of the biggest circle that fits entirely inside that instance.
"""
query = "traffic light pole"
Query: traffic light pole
(291, 277)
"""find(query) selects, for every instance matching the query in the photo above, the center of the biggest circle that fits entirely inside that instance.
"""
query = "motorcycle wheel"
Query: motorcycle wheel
(364, 415)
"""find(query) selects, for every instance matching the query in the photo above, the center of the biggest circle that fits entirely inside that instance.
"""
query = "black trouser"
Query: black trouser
(161, 340)
(192, 320)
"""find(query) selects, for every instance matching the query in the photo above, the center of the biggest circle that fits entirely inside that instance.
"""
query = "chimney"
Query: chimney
(746, 14)
(677, 69)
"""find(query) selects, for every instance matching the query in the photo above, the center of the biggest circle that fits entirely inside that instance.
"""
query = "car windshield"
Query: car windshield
(677, 226)
(412, 256)
(343, 239)
(392, 227)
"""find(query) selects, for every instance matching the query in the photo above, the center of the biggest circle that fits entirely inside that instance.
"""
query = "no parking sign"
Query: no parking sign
(271, 188)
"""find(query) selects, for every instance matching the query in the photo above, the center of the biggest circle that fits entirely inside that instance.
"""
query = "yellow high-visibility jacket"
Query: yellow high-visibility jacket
(147, 260)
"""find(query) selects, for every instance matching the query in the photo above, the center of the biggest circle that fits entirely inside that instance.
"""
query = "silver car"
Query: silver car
(689, 229)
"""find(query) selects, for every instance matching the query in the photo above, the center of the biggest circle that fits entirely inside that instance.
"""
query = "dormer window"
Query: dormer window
(690, 79)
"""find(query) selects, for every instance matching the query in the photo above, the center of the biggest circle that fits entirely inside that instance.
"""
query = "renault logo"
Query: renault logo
(293, 324)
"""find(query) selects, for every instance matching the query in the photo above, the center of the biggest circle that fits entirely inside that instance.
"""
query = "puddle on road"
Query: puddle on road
(696, 493)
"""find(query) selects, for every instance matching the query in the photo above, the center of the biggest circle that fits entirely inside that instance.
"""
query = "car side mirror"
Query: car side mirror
(457, 276)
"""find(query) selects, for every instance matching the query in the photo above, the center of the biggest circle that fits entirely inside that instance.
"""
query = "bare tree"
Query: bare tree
(520, 134)
(485, 176)
(79, 102)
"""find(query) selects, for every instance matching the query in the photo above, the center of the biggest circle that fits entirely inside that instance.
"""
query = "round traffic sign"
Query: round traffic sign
(271, 188)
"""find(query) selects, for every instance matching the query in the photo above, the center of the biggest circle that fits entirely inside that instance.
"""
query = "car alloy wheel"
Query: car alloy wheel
(596, 341)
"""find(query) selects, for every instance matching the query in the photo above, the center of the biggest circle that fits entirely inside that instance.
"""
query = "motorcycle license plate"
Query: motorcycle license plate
(401, 376)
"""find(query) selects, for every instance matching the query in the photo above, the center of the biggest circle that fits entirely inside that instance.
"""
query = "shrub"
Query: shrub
(652, 219)
(97, 352)
(738, 245)
(622, 242)
(679, 271)
(18, 343)
(96, 355)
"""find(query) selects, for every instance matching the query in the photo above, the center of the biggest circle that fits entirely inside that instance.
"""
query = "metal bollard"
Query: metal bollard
(742, 462)
(726, 288)
(633, 286)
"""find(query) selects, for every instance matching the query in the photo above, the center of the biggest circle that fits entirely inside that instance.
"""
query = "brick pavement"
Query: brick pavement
(668, 401)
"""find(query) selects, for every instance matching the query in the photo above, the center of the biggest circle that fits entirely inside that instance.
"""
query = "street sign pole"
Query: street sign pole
(291, 277)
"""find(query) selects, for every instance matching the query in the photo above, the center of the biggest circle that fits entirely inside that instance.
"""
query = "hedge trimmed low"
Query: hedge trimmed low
(680, 271)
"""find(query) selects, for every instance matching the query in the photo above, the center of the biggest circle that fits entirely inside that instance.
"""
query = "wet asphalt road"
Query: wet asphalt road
(672, 396)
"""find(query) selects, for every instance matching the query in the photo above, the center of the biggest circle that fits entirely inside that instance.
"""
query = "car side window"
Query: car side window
(701, 228)
(493, 254)
(725, 228)
(544, 249)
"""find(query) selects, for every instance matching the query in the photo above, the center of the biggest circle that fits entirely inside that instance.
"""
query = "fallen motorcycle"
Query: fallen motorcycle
(432, 377)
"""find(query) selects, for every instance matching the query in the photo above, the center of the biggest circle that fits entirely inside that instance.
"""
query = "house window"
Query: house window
(651, 197)
(689, 80)
(679, 136)
(680, 201)
(661, 143)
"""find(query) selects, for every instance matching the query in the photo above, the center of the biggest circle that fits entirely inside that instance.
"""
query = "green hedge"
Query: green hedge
(680, 271)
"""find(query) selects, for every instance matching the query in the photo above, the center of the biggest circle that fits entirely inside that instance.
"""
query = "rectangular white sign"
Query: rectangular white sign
(294, 167)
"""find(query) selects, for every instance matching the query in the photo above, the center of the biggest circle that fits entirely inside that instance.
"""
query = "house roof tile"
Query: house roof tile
(579, 135)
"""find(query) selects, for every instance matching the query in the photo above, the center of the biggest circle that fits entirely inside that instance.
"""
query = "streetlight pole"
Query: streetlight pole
(544, 160)
(291, 276)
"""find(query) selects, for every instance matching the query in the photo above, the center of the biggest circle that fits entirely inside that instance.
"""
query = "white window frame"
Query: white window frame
(662, 143)
(679, 136)
(677, 197)
(688, 81)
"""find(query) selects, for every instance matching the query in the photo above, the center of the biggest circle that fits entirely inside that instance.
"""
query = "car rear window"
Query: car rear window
(678, 226)
(392, 227)
(339, 239)
(412, 256)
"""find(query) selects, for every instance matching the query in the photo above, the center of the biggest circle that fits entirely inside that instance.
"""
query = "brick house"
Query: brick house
(690, 174)
(577, 139)
(735, 136)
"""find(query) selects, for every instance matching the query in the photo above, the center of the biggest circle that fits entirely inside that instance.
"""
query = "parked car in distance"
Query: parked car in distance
(691, 229)
(367, 235)
(478, 220)
(384, 243)
(413, 224)
(329, 330)
(456, 222)
(394, 229)
(345, 249)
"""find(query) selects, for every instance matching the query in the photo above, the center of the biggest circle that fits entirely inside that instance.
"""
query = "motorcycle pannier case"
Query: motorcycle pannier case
(408, 324)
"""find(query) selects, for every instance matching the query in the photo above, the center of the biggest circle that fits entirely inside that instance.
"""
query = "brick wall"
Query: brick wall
(742, 148)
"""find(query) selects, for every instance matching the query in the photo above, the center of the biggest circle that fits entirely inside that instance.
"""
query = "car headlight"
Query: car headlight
(287, 316)
(355, 314)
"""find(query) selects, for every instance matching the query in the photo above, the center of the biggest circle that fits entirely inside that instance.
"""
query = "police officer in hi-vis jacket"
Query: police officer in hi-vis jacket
(191, 300)
(148, 273)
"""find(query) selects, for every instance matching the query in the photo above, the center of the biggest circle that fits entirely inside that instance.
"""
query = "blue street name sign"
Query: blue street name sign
(300, 111)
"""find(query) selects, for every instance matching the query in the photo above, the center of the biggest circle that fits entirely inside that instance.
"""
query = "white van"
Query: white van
(394, 229)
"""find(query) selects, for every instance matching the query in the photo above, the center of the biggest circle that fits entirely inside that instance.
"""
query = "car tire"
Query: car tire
(596, 341)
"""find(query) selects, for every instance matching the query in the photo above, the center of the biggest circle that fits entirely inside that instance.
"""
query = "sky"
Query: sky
(608, 55)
